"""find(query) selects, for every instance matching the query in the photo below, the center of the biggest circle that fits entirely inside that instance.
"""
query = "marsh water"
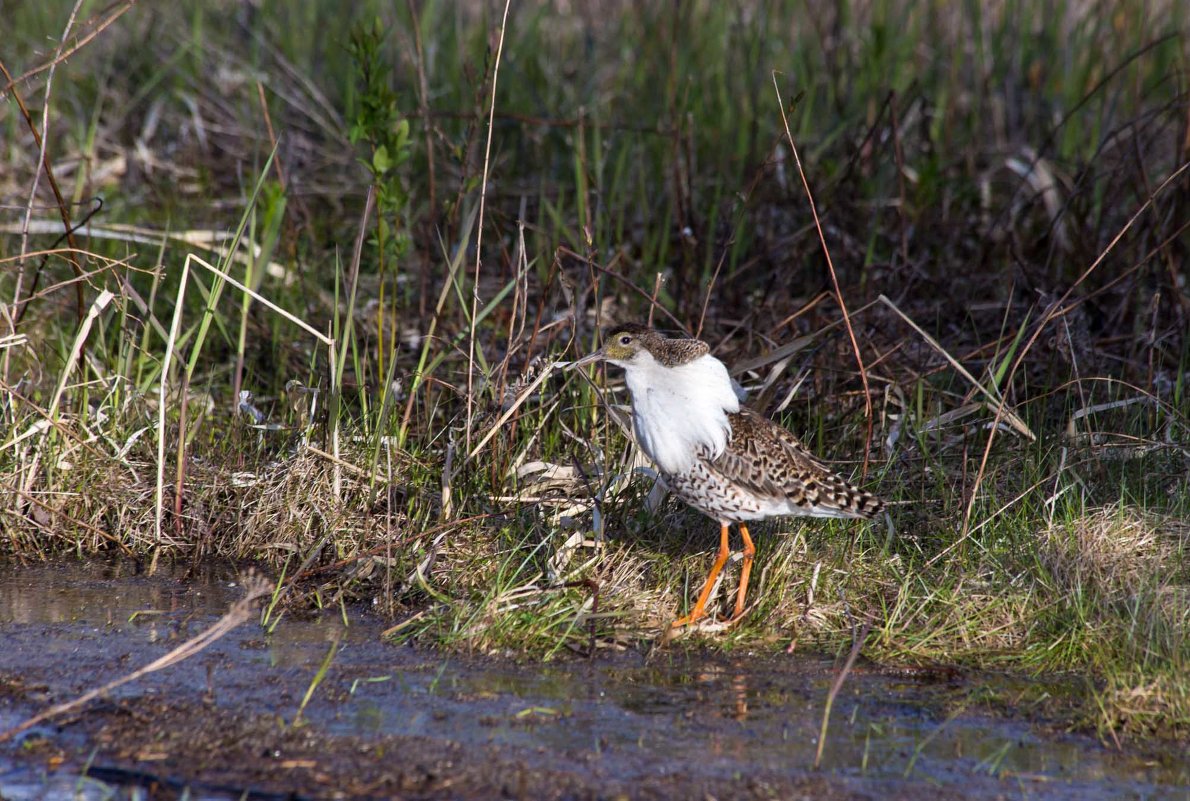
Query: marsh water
(401, 721)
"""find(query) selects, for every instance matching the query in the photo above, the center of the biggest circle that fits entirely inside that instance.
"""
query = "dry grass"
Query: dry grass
(1116, 551)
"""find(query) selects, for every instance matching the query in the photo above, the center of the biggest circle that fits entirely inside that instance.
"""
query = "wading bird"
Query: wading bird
(726, 461)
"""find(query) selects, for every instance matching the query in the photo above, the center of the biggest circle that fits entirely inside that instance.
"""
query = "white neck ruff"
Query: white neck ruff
(679, 411)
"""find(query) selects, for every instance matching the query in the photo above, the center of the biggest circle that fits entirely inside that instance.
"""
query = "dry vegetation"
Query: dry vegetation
(1004, 199)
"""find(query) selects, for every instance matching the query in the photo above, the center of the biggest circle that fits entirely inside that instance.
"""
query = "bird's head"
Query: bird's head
(624, 345)
(633, 345)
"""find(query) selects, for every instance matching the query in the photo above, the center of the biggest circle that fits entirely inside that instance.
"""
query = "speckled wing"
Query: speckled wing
(764, 459)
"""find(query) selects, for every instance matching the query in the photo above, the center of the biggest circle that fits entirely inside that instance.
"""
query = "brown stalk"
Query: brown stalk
(427, 122)
(268, 124)
(900, 157)
(653, 298)
(58, 58)
(357, 253)
(483, 195)
(863, 373)
(837, 685)
(706, 300)
(423, 94)
(63, 209)
(520, 304)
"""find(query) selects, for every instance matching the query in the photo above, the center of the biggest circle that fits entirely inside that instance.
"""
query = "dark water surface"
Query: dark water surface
(612, 725)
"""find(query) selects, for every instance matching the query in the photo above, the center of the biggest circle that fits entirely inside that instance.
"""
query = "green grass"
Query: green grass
(969, 165)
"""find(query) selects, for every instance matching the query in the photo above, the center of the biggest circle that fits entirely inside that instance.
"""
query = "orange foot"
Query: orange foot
(699, 610)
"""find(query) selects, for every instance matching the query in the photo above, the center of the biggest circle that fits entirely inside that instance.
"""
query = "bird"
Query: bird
(727, 461)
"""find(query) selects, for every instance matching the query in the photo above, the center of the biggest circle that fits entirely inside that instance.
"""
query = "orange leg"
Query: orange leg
(700, 605)
(745, 571)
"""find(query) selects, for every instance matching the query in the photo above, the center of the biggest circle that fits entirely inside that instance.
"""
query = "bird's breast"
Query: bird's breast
(680, 413)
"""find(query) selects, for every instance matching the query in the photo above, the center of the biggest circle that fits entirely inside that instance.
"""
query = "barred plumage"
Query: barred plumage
(767, 468)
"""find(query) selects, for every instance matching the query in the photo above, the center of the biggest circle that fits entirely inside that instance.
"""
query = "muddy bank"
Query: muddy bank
(400, 722)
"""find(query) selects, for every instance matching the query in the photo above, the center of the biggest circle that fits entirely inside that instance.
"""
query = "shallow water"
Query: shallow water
(71, 626)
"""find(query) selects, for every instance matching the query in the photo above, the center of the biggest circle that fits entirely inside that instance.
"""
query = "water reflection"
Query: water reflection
(676, 712)
(106, 594)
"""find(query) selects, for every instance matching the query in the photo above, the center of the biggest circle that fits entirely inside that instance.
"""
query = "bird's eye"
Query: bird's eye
(625, 340)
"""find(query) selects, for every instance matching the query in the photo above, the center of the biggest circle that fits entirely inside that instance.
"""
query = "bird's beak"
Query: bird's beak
(589, 359)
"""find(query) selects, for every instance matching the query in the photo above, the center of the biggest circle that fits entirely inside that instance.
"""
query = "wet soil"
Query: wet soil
(392, 721)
